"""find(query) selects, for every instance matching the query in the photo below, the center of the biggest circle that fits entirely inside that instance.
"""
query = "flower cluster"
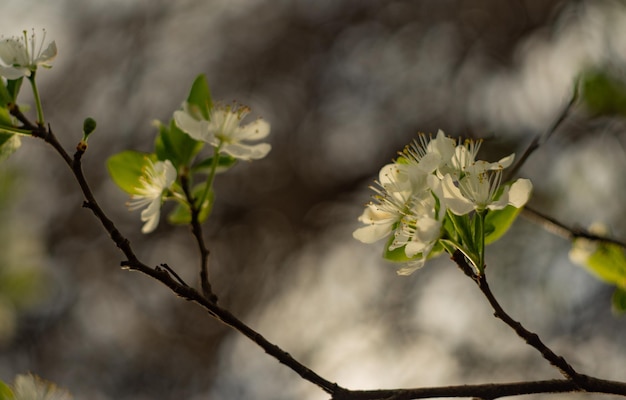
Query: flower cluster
(431, 181)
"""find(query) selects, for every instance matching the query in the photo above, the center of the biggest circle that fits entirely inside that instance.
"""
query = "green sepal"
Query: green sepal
(199, 99)
(395, 255)
(5, 392)
(181, 215)
(224, 162)
(603, 93)
(127, 167)
(13, 87)
(175, 145)
(9, 143)
(618, 300)
(5, 97)
(498, 222)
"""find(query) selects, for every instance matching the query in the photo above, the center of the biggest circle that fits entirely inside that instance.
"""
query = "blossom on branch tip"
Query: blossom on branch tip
(157, 178)
(22, 55)
(223, 130)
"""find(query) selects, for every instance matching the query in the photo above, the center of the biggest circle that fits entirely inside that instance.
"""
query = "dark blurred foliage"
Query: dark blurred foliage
(345, 85)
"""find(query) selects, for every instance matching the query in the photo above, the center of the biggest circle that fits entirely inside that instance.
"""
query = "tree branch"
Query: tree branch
(530, 337)
(560, 229)
(196, 230)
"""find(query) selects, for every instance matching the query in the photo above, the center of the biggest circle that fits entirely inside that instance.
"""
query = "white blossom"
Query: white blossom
(156, 179)
(223, 129)
(22, 55)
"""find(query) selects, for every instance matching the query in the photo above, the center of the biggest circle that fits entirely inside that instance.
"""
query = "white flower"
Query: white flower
(392, 199)
(22, 56)
(223, 130)
(419, 230)
(157, 178)
(478, 190)
(29, 387)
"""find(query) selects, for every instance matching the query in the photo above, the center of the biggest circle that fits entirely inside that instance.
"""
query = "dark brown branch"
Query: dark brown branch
(489, 391)
(540, 139)
(182, 290)
(531, 338)
(560, 229)
(196, 230)
(575, 381)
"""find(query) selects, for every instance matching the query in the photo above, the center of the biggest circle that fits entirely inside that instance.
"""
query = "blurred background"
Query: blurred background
(345, 84)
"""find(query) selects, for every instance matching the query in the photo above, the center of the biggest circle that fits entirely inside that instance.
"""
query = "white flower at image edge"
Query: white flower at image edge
(22, 56)
(29, 387)
(223, 130)
(157, 177)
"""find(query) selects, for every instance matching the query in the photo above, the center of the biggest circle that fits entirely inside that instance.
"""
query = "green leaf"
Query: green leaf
(181, 215)
(199, 99)
(498, 222)
(126, 168)
(608, 262)
(5, 392)
(9, 143)
(5, 97)
(619, 300)
(13, 87)
(224, 162)
(603, 93)
(175, 145)
(5, 116)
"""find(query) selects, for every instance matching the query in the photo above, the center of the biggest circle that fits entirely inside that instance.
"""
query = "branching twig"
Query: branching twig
(540, 139)
(560, 229)
(196, 229)
(531, 338)
(165, 275)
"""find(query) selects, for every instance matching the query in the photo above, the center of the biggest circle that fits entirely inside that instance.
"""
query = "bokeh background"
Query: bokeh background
(345, 84)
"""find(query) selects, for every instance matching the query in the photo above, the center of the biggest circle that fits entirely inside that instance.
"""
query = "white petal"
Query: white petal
(48, 54)
(14, 73)
(151, 216)
(412, 267)
(506, 161)
(453, 198)
(197, 129)
(246, 152)
(256, 130)
(372, 233)
(520, 192)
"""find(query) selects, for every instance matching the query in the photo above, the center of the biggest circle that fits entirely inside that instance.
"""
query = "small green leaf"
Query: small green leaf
(200, 97)
(175, 145)
(181, 215)
(5, 392)
(498, 222)
(619, 300)
(603, 93)
(126, 168)
(9, 143)
(608, 262)
(224, 162)
(89, 125)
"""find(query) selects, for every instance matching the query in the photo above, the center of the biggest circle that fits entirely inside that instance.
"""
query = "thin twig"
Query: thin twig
(540, 139)
(196, 230)
(530, 337)
(182, 290)
(560, 229)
